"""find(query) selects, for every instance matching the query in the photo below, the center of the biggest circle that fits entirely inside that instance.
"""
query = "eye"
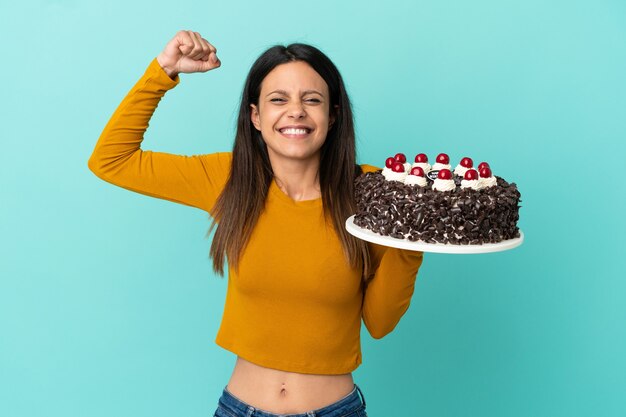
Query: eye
(277, 100)
(313, 100)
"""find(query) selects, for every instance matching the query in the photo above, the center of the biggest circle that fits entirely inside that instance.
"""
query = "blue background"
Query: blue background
(108, 304)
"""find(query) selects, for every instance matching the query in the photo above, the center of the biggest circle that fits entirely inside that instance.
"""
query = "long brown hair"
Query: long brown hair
(241, 202)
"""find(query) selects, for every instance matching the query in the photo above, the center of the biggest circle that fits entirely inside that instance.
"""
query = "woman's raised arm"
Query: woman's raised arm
(117, 158)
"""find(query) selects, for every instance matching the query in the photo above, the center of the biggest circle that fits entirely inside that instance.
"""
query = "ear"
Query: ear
(254, 117)
(333, 115)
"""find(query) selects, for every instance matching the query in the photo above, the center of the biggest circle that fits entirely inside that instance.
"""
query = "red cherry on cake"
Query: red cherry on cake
(389, 162)
(417, 171)
(482, 165)
(400, 157)
(485, 172)
(443, 158)
(398, 167)
(467, 162)
(421, 158)
(471, 174)
(444, 174)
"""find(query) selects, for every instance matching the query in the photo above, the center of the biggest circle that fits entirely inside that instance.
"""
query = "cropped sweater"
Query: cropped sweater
(295, 303)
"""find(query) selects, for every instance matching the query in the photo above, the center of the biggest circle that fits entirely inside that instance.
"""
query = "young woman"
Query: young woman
(298, 283)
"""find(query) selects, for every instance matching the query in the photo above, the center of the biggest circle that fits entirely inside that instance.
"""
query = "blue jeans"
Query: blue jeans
(349, 406)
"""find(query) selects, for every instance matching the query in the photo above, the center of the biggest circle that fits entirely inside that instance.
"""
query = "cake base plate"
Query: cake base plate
(418, 245)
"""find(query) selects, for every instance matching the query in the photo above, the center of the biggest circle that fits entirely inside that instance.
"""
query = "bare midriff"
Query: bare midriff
(283, 392)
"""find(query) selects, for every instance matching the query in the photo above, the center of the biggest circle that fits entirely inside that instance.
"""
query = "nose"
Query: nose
(296, 110)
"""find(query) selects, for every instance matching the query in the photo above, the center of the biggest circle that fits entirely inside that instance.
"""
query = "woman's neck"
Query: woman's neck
(298, 179)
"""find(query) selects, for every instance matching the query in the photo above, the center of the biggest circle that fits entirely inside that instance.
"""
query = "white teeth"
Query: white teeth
(292, 131)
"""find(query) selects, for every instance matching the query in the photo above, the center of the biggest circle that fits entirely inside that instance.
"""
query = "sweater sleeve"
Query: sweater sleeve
(388, 294)
(118, 158)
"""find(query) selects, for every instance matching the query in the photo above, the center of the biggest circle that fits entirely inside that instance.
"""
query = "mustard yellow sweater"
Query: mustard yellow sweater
(295, 303)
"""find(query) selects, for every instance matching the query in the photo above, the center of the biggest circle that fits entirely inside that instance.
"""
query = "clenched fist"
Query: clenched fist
(188, 52)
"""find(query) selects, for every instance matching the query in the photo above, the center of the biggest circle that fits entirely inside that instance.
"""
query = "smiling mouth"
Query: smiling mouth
(295, 131)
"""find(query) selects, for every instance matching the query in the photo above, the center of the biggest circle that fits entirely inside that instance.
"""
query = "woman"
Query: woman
(299, 284)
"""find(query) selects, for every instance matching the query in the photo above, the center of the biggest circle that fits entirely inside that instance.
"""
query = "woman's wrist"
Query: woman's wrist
(171, 72)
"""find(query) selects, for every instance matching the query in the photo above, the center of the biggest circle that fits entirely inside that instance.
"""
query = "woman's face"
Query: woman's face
(293, 114)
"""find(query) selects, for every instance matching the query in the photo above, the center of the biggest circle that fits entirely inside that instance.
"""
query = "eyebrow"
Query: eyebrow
(284, 93)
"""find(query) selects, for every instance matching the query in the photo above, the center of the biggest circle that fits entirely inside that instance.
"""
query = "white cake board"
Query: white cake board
(418, 245)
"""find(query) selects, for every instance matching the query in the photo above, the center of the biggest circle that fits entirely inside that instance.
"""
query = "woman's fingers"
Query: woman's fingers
(206, 52)
(185, 42)
(196, 46)
(196, 52)
(188, 52)
(210, 51)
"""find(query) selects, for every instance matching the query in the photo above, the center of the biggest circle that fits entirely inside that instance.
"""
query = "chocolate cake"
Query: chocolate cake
(461, 208)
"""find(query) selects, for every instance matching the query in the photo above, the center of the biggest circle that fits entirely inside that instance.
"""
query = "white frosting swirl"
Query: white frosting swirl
(487, 182)
(424, 165)
(387, 171)
(443, 185)
(439, 166)
(473, 184)
(395, 176)
(460, 170)
(415, 180)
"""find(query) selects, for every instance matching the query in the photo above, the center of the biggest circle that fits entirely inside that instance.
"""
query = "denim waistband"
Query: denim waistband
(339, 408)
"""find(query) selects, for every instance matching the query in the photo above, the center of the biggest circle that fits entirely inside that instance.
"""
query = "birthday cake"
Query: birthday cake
(437, 204)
